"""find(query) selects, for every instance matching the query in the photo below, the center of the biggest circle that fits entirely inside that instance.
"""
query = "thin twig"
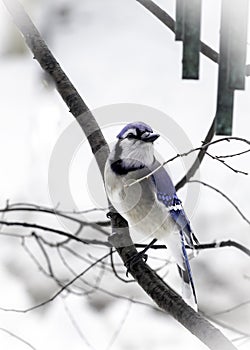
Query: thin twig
(223, 195)
(70, 269)
(17, 337)
(76, 326)
(234, 154)
(233, 308)
(94, 225)
(184, 154)
(53, 230)
(41, 268)
(58, 292)
(227, 165)
(114, 269)
(119, 328)
(45, 254)
(67, 240)
(56, 210)
(223, 244)
(225, 325)
(82, 292)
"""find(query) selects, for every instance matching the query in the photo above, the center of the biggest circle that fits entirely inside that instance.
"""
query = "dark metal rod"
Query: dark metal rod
(191, 39)
(225, 95)
(179, 19)
(238, 44)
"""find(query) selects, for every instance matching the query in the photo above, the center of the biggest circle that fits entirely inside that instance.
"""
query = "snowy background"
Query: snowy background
(114, 51)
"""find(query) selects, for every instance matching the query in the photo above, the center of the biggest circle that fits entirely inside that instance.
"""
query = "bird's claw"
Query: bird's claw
(135, 258)
(109, 214)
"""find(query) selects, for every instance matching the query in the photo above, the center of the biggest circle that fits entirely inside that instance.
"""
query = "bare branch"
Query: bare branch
(53, 230)
(184, 154)
(228, 166)
(223, 195)
(39, 207)
(203, 246)
(234, 155)
(57, 293)
(225, 325)
(233, 308)
(17, 337)
(119, 328)
(223, 244)
(95, 286)
(76, 326)
(43, 271)
(67, 240)
(35, 208)
(45, 254)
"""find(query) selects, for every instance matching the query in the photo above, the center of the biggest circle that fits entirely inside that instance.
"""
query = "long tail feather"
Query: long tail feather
(176, 243)
(187, 276)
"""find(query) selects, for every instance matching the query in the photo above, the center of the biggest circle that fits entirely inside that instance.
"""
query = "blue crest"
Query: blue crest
(142, 127)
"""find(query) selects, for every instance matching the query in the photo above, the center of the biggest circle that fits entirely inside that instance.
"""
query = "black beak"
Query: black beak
(150, 137)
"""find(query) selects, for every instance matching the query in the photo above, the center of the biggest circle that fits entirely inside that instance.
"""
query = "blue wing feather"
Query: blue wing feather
(167, 195)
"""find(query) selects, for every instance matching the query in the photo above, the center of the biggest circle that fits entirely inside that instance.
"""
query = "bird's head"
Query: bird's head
(135, 144)
(137, 132)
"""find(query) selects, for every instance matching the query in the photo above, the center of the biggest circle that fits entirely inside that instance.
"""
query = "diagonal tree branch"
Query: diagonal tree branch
(151, 283)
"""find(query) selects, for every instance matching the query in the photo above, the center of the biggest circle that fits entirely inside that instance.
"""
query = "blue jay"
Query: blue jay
(150, 206)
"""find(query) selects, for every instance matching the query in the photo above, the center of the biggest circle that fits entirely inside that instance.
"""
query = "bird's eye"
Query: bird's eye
(130, 135)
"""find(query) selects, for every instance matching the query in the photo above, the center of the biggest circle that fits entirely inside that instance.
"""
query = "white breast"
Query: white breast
(147, 217)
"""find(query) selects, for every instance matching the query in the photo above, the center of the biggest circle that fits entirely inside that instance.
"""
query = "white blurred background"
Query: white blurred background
(114, 52)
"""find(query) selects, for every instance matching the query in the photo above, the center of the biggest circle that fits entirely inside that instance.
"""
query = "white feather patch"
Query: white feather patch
(129, 131)
(175, 207)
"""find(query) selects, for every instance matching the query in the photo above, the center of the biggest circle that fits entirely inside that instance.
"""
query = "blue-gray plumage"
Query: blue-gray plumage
(150, 206)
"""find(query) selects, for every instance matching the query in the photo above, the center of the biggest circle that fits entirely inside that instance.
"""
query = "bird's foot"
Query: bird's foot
(134, 259)
(110, 214)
